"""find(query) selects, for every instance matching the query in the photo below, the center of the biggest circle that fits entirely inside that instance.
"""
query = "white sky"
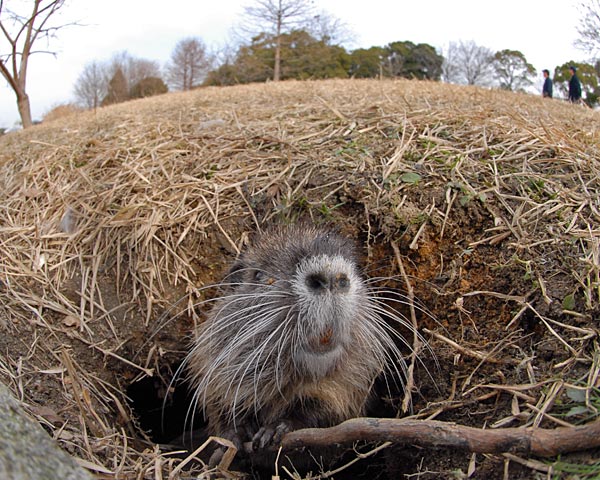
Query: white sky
(542, 30)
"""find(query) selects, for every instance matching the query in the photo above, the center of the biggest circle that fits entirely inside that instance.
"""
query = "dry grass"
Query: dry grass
(60, 111)
(108, 217)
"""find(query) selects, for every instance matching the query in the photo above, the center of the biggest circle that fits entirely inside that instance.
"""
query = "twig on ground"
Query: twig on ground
(416, 342)
(433, 433)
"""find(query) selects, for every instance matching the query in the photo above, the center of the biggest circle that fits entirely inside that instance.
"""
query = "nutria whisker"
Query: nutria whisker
(383, 309)
(222, 363)
(397, 297)
(239, 316)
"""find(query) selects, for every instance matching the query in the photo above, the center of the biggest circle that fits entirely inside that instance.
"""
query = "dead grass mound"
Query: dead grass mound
(113, 220)
(60, 111)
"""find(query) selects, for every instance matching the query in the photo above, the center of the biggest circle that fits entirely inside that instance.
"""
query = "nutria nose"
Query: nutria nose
(322, 282)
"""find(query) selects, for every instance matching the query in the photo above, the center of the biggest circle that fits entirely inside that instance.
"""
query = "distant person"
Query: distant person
(547, 88)
(574, 86)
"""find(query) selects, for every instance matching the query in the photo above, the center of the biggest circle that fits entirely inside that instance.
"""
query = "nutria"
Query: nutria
(296, 339)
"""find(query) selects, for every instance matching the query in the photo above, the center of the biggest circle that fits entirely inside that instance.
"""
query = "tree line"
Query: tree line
(281, 39)
(303, 56)
(288, 39)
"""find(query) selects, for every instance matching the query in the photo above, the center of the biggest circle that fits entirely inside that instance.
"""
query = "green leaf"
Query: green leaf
(410, 177)
(569, 302)
(576, 411)
(576, 394)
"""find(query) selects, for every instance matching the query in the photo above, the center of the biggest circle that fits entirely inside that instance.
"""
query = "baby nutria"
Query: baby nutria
(295, 340)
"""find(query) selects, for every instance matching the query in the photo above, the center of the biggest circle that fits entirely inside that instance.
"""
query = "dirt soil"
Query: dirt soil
(114, 222)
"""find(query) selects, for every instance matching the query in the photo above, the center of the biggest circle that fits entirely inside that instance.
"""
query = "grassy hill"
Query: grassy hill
(112, 222)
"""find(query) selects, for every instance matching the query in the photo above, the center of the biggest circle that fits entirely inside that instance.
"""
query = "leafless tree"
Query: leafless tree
(468, 63)
(91, 85)
(276, 17)
(330, 29)
(188, 65)
(19, 34)
(226, 52)
(450, 66)
(589, 27)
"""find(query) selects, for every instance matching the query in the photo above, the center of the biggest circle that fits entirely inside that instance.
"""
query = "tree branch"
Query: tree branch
(53, 7)
(7, 76)
(432, 433)
(6, 32)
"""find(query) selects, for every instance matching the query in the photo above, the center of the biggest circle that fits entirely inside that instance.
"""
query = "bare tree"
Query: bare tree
(276, 17)
(331, 30)
(189, 64)
(589, 27)
(226, 53)
(451, 66)
(468, 63)
(91, 85)
(21, 32)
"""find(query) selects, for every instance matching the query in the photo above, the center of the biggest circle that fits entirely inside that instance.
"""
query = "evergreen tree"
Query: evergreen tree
(587, 76)
(277, 18)
(117, 89)
(405, 59)
(367, 63)
(513, 72)
(302, 57)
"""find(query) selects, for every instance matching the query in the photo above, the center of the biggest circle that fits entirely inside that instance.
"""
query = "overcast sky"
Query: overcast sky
(542, 30)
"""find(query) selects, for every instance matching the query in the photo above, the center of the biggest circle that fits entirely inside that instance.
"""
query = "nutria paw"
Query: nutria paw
(270, 435)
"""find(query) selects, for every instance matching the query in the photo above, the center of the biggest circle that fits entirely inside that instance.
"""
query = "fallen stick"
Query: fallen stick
(433, 433)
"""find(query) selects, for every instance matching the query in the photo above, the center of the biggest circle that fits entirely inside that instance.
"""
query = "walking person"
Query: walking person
(574, 86)
(547, 88)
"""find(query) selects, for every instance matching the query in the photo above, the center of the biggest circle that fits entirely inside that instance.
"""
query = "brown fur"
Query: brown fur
(295, 340)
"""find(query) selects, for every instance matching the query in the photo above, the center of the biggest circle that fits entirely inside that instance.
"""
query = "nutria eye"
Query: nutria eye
(343, 281)
(260, 276)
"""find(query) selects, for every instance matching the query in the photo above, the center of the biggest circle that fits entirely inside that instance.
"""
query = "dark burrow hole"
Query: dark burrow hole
(165, 421)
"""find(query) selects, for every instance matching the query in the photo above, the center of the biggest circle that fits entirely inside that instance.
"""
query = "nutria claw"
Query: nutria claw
(270, 435)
